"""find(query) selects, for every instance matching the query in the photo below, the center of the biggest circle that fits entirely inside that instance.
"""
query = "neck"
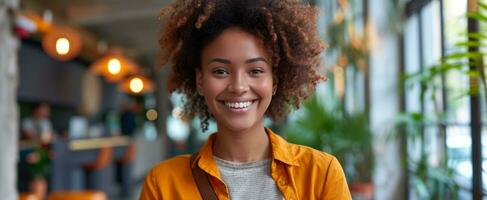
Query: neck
(244, 146)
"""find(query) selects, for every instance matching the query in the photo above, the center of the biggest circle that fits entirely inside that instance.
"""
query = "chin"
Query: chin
(238, 126)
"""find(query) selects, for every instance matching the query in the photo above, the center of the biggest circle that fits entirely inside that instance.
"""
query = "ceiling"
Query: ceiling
(131, 24)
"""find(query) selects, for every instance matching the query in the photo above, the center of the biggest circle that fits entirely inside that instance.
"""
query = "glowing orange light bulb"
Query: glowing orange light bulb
(62, 46)
(114, 66)
(136, 85)
(151, 114)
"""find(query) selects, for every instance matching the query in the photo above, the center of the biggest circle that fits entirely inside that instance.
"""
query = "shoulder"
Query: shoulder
(329, 179)
(27, 124)
(169, 173)
(308, 156)
(303, 156)
(172, 166)
(166, 177)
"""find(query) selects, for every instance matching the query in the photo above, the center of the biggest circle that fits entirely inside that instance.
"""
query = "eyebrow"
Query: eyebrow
(221, 60)
(256, 60)
(225, 61)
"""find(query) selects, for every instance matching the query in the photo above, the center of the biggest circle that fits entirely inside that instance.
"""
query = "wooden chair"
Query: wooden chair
(103, 160)
(97, 177)
(124, 169)
(77, 195)
(129, 154)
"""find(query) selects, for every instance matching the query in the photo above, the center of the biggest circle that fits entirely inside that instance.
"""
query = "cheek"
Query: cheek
(265, 88)
(212, 88)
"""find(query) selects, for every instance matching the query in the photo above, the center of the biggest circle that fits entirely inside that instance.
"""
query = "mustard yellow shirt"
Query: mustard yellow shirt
(300, 173)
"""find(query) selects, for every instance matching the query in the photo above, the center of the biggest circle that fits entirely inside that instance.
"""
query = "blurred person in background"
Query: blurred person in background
(35, 155)
(238, 62)
(128, 117)
(38, 127)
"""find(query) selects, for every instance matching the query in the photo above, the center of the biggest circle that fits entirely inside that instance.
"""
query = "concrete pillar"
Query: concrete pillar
(8, 102)
(384, 104)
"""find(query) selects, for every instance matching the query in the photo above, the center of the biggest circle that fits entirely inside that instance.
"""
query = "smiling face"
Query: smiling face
(236, 80)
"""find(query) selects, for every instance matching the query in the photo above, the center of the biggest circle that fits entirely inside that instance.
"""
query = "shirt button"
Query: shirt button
(283, 181)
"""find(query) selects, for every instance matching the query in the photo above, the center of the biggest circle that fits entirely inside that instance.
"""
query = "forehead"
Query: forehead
(235, 44)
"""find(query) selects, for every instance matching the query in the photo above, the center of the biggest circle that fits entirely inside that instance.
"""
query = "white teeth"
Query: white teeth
(243, 104)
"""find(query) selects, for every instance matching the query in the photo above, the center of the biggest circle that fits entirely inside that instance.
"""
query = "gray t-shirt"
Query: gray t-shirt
(37, 126)
(247, 181)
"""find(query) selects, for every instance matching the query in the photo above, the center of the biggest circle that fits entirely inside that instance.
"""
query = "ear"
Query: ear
(274, 85)
(199, 82)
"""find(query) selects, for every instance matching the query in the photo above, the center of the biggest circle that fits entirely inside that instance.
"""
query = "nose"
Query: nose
(238, 84)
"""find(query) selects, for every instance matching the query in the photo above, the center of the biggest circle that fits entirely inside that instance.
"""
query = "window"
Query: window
(447, 136)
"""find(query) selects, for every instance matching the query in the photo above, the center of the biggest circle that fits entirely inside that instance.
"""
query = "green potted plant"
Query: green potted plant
(38, 165)
(427, 181)
(347, 136)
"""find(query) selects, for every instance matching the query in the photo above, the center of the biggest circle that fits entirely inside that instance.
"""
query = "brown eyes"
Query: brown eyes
(221, 72)
(256, 72)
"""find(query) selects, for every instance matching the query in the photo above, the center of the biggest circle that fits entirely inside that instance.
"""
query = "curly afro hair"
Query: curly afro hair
(287, 28)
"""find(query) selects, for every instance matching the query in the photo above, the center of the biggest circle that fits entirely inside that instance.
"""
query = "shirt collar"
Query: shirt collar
(281, 150)
(206, 152)
(204, 158)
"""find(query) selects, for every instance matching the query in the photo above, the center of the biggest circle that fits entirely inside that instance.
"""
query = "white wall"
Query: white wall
(8, 103)
(384, 66)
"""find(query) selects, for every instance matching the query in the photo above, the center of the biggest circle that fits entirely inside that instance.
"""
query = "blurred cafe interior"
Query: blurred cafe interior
(85, 114)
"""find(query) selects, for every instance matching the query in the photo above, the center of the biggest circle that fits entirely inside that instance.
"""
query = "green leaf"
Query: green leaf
(473, 73)
(474, 91)
(476, 35)
(482, 6)
(477, 15)
(445, 67)
(462, 55)
(470, 44)
(421, 188)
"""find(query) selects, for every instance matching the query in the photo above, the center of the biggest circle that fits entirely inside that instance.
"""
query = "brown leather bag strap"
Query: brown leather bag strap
(202, 181)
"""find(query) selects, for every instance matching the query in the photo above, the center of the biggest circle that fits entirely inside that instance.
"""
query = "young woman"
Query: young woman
(238, 61)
